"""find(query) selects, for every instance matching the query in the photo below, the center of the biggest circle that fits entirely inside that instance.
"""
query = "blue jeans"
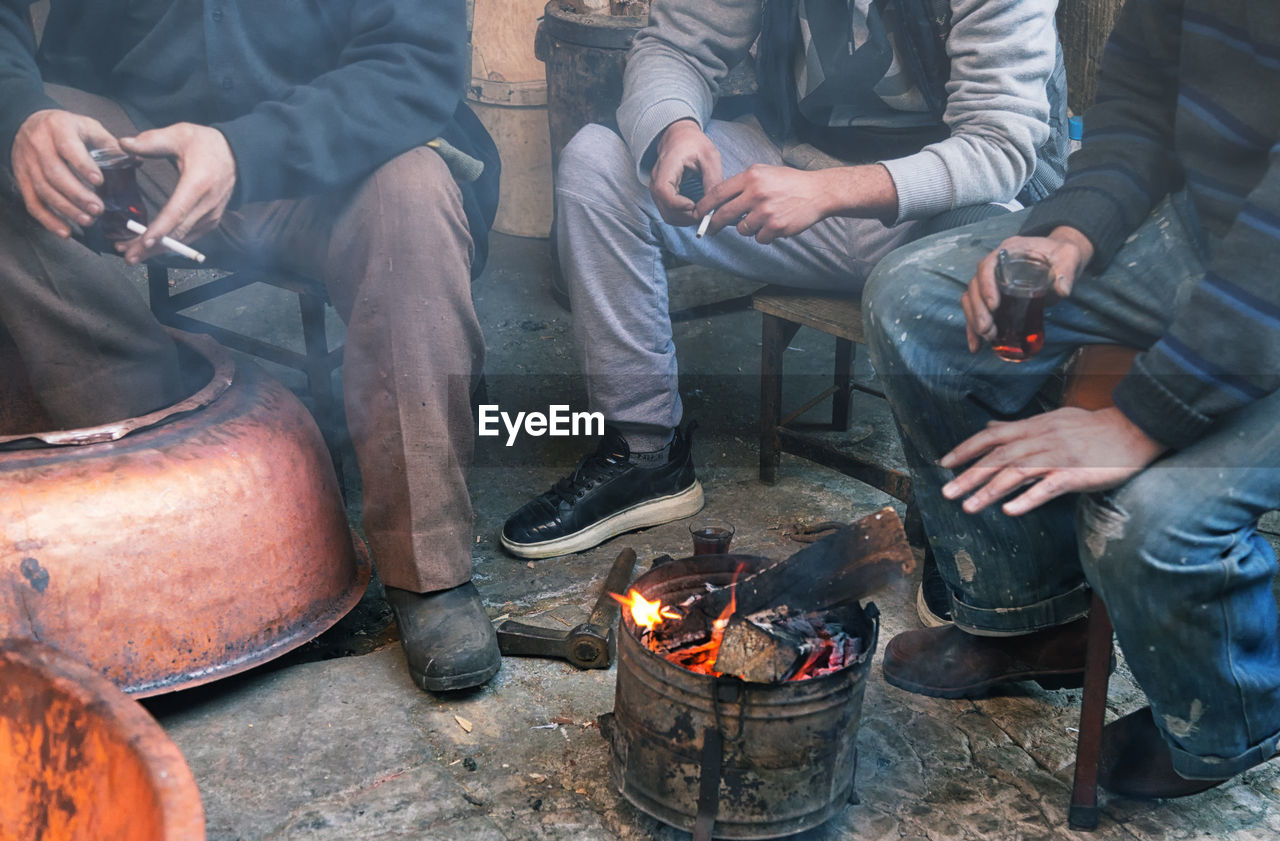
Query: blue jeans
(1174, 552)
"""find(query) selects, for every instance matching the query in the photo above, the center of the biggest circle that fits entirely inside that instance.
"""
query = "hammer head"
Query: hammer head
(591, 647)
(587, 646)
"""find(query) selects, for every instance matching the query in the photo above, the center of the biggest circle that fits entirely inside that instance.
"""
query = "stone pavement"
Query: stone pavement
(349, 749)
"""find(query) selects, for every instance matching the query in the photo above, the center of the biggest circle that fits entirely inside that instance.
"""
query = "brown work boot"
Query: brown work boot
(1136, 762)
(447, 637)
(946, 662)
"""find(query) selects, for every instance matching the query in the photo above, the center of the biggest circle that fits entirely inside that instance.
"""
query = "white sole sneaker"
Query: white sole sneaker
(651, 512)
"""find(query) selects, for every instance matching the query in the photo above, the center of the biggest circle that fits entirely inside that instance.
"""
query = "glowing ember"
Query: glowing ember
(645, 613)
(701, 659)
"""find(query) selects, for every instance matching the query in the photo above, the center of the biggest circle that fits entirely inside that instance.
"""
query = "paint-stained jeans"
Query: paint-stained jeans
(1175, 552)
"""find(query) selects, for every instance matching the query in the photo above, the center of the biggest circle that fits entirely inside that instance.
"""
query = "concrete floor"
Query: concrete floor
(347, 748)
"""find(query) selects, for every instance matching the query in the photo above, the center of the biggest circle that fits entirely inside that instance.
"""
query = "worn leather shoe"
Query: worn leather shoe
(1136, 762)
(447, 637)
(946, 662)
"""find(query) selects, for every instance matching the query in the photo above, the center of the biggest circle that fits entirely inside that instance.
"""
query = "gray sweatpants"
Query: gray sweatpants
(611, 242)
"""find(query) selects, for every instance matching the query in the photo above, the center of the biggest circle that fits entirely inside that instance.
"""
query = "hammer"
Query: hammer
(591, 645)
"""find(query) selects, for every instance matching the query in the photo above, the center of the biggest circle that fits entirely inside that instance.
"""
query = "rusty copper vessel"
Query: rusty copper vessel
(80, 761)
(176, 548)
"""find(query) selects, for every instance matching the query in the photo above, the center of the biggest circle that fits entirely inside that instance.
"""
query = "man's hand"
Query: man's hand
(683, 145)
(767, 202)
(1068, 252)
(53, 169)
(1064, 451)
(208, 176)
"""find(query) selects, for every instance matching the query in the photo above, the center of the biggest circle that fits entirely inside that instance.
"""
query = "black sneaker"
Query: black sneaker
(606, 495)
(933, 598)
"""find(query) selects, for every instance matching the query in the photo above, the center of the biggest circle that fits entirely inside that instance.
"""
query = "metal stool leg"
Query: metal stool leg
(1083, 813)
(158, 293)
(843, 381)
(320, 376)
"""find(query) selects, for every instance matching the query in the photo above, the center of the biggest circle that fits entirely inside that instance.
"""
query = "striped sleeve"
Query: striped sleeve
(1126, 163)
(1222, 350)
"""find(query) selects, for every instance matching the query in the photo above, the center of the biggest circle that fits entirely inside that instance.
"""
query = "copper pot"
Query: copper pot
(176, 548)
(80, 761)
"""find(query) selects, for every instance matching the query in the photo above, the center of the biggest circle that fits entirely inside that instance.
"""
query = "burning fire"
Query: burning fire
(827, 649)
(701, 659)
(647, 614)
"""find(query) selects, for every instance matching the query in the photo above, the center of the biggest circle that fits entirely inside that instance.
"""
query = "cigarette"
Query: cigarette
(704, 224)
(168, 242)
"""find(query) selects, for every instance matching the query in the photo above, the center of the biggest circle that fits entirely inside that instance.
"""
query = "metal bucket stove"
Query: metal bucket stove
(721, 757)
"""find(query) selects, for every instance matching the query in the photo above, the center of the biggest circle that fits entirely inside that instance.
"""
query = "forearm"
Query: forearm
(1222, 350)
(866, 191)
(396, 85)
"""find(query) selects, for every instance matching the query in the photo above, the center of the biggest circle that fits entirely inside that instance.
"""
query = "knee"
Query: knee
(595, 163)
(408, 213)
(910, 296)
(882, 298)
(415, 184)
(1145, 529)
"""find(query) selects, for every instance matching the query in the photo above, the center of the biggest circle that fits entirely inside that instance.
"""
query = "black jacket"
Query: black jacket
(312, 95)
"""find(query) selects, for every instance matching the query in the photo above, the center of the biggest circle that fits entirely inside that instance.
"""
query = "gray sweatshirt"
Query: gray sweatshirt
(1002, 53)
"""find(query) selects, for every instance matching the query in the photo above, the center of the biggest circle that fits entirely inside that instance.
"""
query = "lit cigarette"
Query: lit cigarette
(168, 242)
(704, 224)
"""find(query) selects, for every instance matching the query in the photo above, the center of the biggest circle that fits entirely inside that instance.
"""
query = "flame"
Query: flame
(645, 613)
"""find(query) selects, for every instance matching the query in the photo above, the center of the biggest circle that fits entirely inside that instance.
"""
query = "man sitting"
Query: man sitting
(282, 137)
(1166, 238)
(870, 121)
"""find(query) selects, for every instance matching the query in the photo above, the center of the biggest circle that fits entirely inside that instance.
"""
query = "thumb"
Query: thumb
(709, 166)
(160, 142)
(1064, 281)
(95, 135)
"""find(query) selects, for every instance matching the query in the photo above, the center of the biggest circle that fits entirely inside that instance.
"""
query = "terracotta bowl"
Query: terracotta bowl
(80, 761)
(176, 548)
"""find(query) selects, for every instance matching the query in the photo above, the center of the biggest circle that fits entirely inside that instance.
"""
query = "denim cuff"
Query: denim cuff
(1012, 621)
(1195, 767)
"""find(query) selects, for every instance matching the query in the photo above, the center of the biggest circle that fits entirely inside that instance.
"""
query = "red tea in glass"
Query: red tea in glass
(711, 538)
(1024, 281)
(121, 198)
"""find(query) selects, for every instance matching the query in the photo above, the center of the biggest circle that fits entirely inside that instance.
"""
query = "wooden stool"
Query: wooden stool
(1093, 374)
(785, 311)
